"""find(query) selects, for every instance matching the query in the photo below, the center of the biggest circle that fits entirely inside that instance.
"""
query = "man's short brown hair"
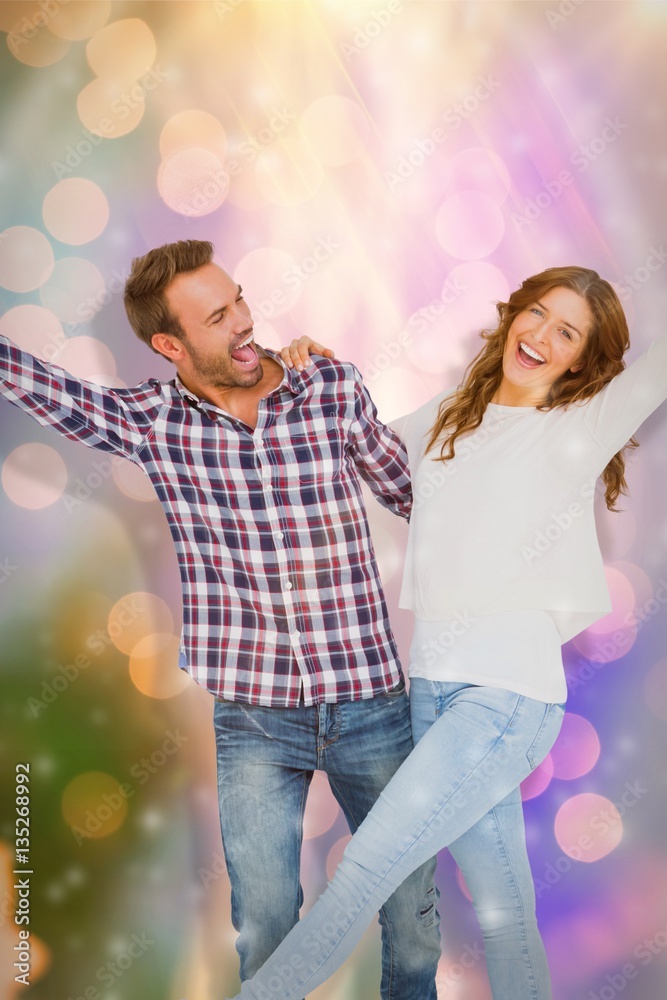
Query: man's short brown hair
(144, 298)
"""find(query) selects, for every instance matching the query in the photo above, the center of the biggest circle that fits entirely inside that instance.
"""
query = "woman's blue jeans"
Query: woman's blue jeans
(466, 768)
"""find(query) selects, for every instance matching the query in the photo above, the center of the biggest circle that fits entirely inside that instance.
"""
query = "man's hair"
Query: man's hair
(144, 298)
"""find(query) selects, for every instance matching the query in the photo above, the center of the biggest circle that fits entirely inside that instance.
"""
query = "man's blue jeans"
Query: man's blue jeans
(266, 758)
(484, 742)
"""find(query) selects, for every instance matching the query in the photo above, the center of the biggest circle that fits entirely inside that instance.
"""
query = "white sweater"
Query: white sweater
(508, 524)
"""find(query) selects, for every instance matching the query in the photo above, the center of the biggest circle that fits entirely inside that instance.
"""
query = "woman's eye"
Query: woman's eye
(567, 334)
(536, 310)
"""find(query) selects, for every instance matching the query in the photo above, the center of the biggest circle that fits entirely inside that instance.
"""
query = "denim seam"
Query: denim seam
(517, 896)
(545, 720)
(305, 784)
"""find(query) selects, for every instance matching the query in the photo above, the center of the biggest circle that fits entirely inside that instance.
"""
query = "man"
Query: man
(284, 620)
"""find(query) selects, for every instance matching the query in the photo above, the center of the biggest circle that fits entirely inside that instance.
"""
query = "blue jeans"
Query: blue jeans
(484, 742)
(266, 758)
(493, 858)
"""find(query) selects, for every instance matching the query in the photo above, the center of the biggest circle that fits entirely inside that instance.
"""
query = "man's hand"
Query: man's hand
(297, 355)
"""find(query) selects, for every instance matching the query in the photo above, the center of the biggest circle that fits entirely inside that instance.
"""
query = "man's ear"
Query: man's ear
(168, 346)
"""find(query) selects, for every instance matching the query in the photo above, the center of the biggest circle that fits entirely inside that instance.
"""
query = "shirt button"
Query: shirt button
(279, 534)
(288, 585)
(295, 634)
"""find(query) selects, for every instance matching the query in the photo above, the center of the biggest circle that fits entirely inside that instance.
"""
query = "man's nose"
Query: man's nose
(242, 317)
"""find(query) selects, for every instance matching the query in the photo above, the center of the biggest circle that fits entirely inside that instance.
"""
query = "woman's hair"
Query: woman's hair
(602, 358)
(144, 298)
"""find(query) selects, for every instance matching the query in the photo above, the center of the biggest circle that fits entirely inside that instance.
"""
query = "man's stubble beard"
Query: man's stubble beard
(220, 372)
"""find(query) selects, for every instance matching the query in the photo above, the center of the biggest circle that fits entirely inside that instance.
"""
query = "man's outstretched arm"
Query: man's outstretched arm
(112, 419)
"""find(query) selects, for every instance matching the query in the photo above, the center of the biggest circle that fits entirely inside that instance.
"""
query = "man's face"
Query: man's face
(219, 342)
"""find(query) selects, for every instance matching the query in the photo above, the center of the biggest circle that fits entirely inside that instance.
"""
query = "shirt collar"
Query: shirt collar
(292, 380)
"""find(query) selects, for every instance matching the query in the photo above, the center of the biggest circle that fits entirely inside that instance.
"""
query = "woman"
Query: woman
(544, 410)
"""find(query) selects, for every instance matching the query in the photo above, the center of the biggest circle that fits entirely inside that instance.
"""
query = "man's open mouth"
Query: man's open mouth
(246, 352)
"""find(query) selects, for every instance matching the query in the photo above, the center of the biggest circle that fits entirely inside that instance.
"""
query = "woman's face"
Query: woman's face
(544, 341)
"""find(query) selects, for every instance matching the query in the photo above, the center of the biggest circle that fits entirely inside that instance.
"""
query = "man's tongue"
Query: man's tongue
(527, 360)
(245, 354)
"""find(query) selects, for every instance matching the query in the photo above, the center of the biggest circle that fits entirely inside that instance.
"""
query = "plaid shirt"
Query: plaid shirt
(282, 599)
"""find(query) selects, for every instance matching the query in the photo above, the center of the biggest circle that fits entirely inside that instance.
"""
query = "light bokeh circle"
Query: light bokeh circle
(34, 476)
(94, 804)
(336, 853)
(108, 110)
(133, 481)
(12, 13)
(35, 46)
(26, 258)
(193, 128)
(34, 329)
(576, 749)
(538, 780)
(479, 170)
(79, 19)
(321, 807)
(193, 181)
(122, 51)
(655, 689)
(75, 210)
(588, 827)
(135, 616)
(444, 331)
(623, 601)
(88, 358)
(469, 225)
(320, 306)
(154, 666)
(462, 884)
(269, 281)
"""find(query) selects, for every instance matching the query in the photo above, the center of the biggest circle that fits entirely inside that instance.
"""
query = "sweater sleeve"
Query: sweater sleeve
(414, 428)
(614, 414)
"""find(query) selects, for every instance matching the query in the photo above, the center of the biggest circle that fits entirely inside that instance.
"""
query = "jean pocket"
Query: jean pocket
(546, 734)
(236, 718)
(397, 690)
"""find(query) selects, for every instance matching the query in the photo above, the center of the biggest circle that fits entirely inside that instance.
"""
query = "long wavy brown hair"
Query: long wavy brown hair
(607, 342)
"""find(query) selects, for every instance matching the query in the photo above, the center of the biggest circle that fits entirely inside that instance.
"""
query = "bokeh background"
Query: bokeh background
(377, 175)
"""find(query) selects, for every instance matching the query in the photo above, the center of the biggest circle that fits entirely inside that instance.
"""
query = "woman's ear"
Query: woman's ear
(576, 368)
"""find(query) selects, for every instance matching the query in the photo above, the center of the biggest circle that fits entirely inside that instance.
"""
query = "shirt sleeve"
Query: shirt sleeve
(379, 454)
(614, 414)
(114, 420)
(399, 426)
